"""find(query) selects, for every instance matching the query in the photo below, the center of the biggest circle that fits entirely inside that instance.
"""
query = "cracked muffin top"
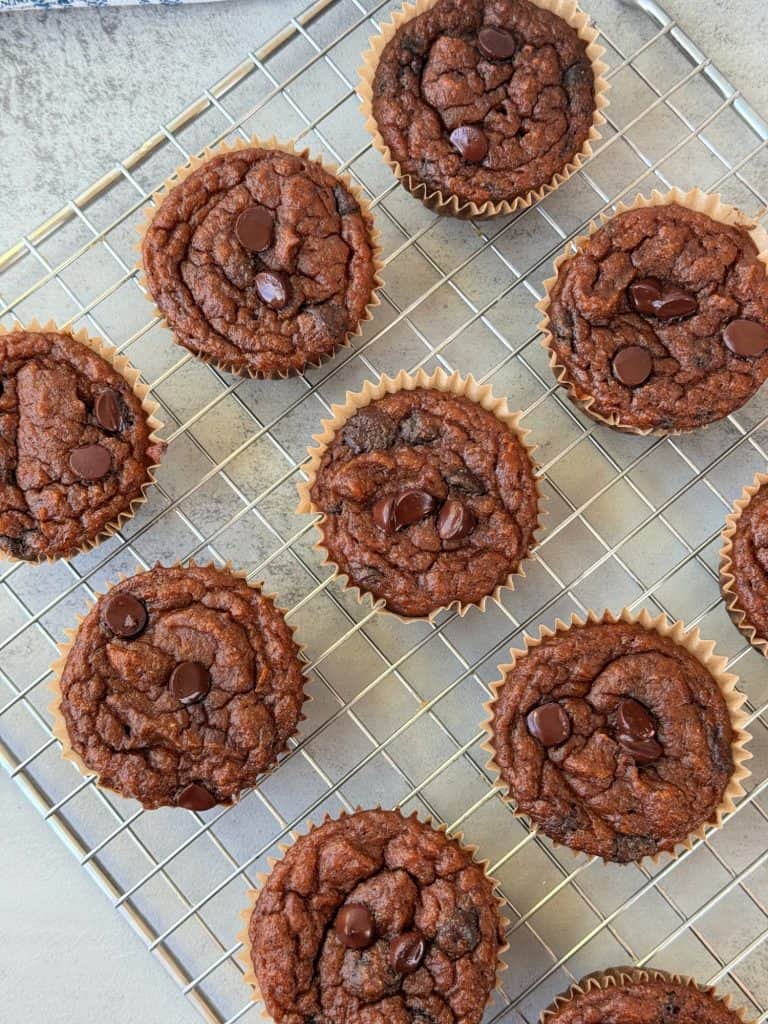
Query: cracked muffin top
(749, 562)
(661, 318)
(181, 687)
(376, 917)
(614, 739)
(75, 445)
(260, 261)
(486, 100)
(428, 498)
(652, 997)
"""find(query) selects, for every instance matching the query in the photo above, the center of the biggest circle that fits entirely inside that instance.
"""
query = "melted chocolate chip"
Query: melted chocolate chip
(470, 142)
(459, 934)
(632, 365)
(383, 513)
(195, 798)
(107, 411)
(91, 462)
(456, 520)
(674, 303)
(369, 430)
(419, 427)
(634, 720)
(496, 43)
(464, 481)
(746, 337)
(254, 228)
(345, 201)
(549, 724)
(124, 614)
(272, 288)
(413, 506)
(643, 751)
(190, 681)
(643, 293)
(406, 952)
(354, 926)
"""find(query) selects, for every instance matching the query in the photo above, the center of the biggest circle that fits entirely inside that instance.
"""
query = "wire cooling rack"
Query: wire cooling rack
(396, 709)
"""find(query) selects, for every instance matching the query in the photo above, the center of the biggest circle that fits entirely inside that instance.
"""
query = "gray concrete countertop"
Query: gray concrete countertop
(78, 90)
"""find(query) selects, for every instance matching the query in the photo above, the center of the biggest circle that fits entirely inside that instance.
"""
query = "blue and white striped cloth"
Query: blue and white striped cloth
(55, 5)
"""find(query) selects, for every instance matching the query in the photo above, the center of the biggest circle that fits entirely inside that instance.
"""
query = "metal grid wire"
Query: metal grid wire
(396, 709)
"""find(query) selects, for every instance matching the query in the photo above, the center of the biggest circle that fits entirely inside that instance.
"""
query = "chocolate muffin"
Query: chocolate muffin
(181, 687)
(427, 499)
(77, 443)
(660, 321)
(375, 917)
(614, 739)
(261, 261)
(484, 100)
(744, 563)
(629, 996)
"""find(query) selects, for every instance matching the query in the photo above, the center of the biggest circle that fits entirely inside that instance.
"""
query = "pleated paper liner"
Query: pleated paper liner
(122, 366)
(245, 954)
(59, 725)
(727, 579)
(701, 202)
(193, 165)
(691, 641)
(446, 203)
(622, 977)
(455, 384)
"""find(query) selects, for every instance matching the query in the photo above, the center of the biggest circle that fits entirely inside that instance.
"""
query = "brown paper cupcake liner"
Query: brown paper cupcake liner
(727, 579)
(446, 203)
(617, 977)
(245, 956)
(121, 365)
(701, 202)
(59, 725)
(702, 650)
(195, 162)
(455, 384)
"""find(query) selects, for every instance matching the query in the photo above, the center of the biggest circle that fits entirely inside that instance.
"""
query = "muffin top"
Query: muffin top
(375, 917)
(260, 261)
(75, 445)
(749, 562)
(428, 498)
(651, 997)
(662, 319)
(484, 99)
(614, 739)
(181, 687)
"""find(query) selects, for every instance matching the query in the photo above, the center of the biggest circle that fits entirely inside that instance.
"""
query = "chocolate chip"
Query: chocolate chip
(632, 365)
(464, 481)
(365, 575)
(470, 142)
(412, 506)
(354, 926)
(254, 228)
(369, 430)
(459, 934)
(91, 462)
(643, 293)
(456, 520)
(627, 849)
(107, 411)
(496, 43)
(383, 513)
(195, 798)
(549, 724)
(345, 201)
(674, 303)
(333, 317)
(124, 614)
(190, 681)
(272, 288)
(643, 751)
(419, 427)
(746, 337)
(634, 720)
(406, 952)
(579, 76)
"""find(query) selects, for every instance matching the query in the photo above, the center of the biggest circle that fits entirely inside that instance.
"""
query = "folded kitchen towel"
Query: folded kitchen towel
(57, 5)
